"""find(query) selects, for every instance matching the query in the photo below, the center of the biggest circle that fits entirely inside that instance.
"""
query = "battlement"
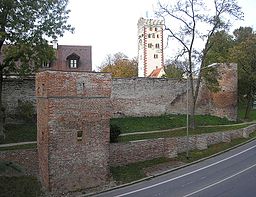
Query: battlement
(150, 22)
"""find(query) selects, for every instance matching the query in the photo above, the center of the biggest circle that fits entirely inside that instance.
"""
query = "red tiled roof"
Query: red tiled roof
(155, 73)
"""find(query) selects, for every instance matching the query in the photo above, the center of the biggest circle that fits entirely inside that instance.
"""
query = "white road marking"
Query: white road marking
(204, 188)
(184, 175)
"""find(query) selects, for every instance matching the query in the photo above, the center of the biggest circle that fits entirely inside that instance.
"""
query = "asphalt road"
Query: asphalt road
(230, 174)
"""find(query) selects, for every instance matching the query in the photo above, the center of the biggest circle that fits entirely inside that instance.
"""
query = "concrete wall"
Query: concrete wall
(73, 112)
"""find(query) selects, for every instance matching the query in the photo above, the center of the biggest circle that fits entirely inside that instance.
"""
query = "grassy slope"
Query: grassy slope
(137, 124)
(22, 186)
(20, 133)
(176, 133)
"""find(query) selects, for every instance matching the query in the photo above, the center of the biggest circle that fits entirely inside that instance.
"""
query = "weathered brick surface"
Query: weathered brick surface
(170, 147)
(139, 96)
(17, 89)
(236, 134)
(70, 103)
(151, 97)
(27, 159)
(142, 150)
(123, 153)
(226, 137)
(248, 130)
(201, 142)
(224, 102)
(120, 154)
(148, 96)
(84, 52)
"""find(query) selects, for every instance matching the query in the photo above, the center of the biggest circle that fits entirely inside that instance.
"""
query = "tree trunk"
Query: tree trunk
(248, 106)
(194, 99)
(192, 117)
(2, 109)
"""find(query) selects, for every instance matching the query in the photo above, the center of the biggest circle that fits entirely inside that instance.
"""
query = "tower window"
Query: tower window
(150, 45)
(155, 28)
(155, 56)
(157, 35)
(73, 63)
(149, 35)
(150, 29)
(73, 60)
(157, 46)
(153, 35)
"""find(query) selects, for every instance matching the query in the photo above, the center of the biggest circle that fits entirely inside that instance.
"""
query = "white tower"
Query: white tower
(150, 46)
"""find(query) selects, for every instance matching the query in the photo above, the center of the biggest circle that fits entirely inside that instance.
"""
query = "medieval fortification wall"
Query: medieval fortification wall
(147, 96)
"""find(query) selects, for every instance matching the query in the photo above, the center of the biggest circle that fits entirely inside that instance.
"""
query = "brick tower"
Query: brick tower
(73, 112)
(150, 46)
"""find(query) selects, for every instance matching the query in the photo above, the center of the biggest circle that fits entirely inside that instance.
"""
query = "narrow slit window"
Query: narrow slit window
(79, 136)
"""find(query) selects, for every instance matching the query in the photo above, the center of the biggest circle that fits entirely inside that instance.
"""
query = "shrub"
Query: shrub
(114, 133)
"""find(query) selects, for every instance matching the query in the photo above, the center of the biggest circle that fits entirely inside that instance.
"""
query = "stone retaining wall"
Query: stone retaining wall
(142, 150)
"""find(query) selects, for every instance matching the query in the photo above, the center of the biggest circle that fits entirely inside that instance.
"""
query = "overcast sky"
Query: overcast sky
(111, 26)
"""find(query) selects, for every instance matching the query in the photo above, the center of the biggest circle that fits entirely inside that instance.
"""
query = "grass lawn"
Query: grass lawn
(177, 133)
(135, 171)
(19, 133)
(241, 112)
(137, 124)
(22, 186)
(13, 182)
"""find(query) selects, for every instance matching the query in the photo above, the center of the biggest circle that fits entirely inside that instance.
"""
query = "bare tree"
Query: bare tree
(191, 24)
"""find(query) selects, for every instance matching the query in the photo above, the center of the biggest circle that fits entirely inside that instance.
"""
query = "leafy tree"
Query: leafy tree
(244, 54)
(242, 34)
(221, 42)
(195, 25)
(120, 66)
(239, 48)
(25, 26)
(174, 69)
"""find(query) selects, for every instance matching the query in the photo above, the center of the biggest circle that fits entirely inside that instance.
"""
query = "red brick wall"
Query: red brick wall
(73, 102)
(63, 51)
(131, 152)
(142, 150)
